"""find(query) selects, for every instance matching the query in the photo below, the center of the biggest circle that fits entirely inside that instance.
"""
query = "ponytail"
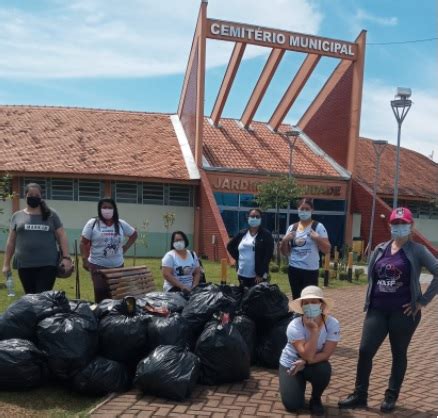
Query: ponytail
(45, 210)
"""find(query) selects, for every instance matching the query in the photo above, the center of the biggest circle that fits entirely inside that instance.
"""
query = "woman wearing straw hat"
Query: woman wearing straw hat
(311, 340)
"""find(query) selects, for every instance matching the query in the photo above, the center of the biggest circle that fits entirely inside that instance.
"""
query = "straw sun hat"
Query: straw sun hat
(311, 292)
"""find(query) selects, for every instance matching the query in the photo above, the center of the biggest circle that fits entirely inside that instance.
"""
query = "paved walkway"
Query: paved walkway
(258, 396)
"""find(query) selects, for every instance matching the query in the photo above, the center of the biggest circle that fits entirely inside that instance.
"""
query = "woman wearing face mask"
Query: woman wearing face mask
(393, 306)
(34, 235)
(103, 244)
(302, 243)
(311, 340)
(252, 248)
(180, 266)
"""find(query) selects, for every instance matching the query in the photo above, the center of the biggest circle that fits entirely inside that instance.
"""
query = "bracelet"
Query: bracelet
(66, 258)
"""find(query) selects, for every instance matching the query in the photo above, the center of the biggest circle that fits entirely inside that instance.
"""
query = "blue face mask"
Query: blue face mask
(254, 222)
(304, 215)
(312, 310)
(400, 230)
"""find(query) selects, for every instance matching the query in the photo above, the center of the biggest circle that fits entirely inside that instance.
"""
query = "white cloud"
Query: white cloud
(419, 131)
(92, 38)
(364, 16)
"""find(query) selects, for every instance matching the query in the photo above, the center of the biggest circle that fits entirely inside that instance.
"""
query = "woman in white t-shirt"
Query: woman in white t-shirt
(180, 266)
(103, 244)
(302, 243)
(311, 340)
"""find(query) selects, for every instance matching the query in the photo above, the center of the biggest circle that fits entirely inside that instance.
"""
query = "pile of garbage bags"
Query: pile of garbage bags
(163, 343)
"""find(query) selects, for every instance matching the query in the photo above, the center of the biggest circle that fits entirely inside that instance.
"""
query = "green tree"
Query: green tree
(276, 194)
(5, 189)
(168, 220)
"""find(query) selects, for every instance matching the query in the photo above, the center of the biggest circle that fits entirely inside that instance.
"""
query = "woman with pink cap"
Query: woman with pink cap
(311, 340)
(393, 306)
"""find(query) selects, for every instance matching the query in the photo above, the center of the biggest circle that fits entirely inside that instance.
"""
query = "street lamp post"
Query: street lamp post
(291, 134)
(400, 106)
(379, 146)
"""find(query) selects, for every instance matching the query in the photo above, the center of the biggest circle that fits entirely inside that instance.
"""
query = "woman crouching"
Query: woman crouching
(311, 340)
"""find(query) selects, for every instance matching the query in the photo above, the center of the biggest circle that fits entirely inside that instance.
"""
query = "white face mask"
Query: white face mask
(107, 213)
(179, 245)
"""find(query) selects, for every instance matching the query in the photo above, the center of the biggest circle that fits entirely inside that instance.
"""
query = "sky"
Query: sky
(132, 55)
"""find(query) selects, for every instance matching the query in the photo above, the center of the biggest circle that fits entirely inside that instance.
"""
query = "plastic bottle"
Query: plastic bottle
(10, 284)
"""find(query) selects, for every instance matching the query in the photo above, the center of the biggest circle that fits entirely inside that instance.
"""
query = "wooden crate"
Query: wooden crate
(129, 281)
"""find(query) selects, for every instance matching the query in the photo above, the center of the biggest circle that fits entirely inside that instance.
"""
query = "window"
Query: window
(227, 199)
(43, 182)
(180, 195)
(248, 201)
(125, 192)
(89, 190)
(62, 189)
(153, 193)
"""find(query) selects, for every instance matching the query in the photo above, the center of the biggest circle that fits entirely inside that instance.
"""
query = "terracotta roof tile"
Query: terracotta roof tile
(230, 146)
(89, 141)
(418, 174)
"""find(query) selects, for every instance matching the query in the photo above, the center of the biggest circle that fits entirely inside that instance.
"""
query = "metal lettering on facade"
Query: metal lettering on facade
(238, 185)
(238, 32)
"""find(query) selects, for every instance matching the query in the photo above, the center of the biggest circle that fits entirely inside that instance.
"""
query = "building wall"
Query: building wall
(429, 228)
(74, 215)
(361, 202)
(330, 126)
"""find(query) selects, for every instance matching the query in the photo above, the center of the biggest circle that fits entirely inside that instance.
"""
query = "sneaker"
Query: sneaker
(388, 404)
(354, 400)
(316, 407)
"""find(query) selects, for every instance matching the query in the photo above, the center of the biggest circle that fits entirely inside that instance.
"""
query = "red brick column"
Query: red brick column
(211, 223)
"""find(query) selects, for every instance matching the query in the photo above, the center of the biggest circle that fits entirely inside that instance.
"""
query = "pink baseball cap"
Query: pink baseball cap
(402, 214)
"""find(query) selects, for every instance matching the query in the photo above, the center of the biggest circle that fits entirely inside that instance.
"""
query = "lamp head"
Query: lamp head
(293, 133)
(403, 93)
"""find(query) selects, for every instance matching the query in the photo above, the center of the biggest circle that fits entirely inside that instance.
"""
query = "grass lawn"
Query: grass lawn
(59, 401)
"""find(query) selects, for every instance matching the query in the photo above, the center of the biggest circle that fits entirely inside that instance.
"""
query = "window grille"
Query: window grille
(89, 190)
(126, 192)
(62, 189)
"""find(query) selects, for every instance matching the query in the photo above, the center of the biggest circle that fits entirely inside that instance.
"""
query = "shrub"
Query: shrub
(274, 268)
(343, 275)
(284, 268)
(358, 272)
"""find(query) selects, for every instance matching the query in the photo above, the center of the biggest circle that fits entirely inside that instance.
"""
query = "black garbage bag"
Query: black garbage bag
(169, 372)
(22, 365)
(204, 301)
(21, 318)
(173, 301)
(171, 330)
(247, 329)
(123, 334)
(224, 354)
(69, 339)
(102, 376)
(235, 292)
(265, 302)
(271, 342)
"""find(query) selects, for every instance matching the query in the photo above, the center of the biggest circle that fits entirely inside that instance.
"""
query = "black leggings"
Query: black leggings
(292, 388)
(377, 325)
(37, 279)
(300, 278)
